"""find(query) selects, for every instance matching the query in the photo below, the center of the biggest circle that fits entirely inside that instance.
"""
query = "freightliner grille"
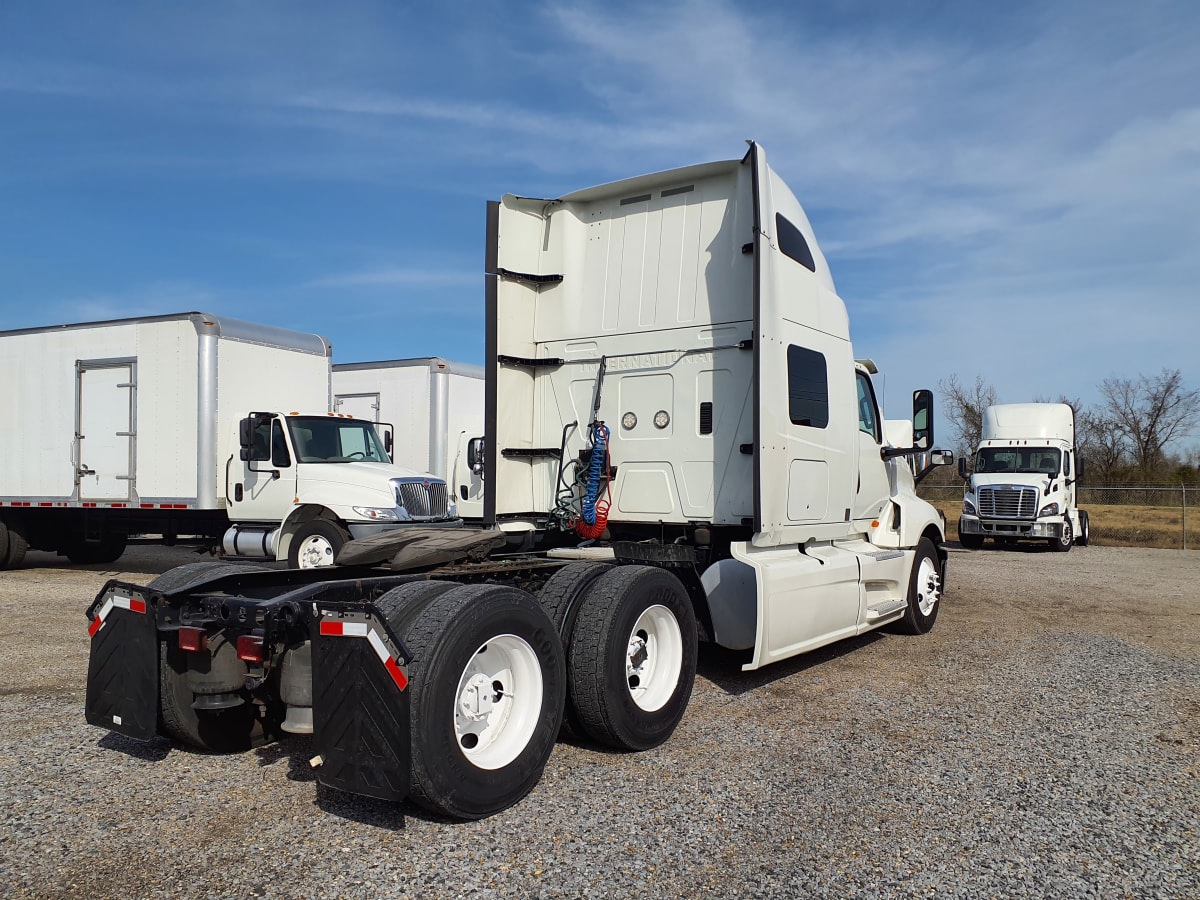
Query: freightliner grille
(1008, 503)
(423, 498)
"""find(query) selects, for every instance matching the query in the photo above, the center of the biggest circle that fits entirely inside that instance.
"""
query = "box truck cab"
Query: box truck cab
(1021, 481)
(307, 484)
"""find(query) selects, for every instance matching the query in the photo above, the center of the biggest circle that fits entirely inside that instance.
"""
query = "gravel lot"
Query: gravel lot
(1042, 741)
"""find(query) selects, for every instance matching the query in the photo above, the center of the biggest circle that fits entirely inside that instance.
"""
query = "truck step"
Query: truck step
(885, 610)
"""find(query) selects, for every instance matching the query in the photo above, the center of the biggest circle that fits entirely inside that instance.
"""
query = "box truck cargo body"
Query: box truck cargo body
(132, 426)
(435, 408)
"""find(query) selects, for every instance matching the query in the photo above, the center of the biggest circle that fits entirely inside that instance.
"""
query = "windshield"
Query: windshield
(330, 440)
(1025, 460)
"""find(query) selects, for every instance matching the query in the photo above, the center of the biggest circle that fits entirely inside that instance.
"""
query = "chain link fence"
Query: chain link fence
(1120, 515)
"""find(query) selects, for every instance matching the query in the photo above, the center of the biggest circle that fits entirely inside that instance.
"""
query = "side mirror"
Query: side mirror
(1078, 467)
(255, 447)
(387, 441)
(962, 468)
(922, 420)
(475, 449)
(942, 458)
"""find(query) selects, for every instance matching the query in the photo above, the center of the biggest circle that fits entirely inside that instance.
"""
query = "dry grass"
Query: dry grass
(1115, 525)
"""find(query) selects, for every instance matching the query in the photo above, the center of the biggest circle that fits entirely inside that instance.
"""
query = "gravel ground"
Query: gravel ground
(1042, 741)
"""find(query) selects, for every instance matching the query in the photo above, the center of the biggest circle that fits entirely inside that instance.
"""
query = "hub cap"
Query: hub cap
(315, 552)
(929, 586)
(654, 658)
(499, 702)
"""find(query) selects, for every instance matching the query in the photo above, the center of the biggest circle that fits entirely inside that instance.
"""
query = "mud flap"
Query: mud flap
(122, 682)
(360, 706)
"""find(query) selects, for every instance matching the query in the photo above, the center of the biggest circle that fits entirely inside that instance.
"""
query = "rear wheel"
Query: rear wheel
(487, 686)
(15, 547)
(219, 731)
(108, 549)
(631, 662)
(561, 597)
(924, 591)
(1085, 532)
(316, 544)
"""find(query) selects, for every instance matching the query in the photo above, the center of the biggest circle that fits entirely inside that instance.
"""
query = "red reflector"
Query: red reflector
(94, 626)
(250, 648)
(193, 639)
(331, 628)
(136, 605)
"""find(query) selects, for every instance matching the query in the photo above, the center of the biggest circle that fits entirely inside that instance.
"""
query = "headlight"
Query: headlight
(1050, 509)
(379, 515)
(969, 508)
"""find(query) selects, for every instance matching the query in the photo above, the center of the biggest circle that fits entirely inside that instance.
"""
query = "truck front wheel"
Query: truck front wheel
(924, 591)
(316, 544)
(1066, 538)
(487, 682)
(631, 662)
(970, 541)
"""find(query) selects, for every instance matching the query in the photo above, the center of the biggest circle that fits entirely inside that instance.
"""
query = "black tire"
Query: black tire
(1064, 542)
(224, 731)
(324, 541)
(3, 543)
(108, 549)
(448, 637)
(561, 597)
(1085, 531)
(600, 685)
(924, 589)
(15, 549)
(402, 604)
(970, 541)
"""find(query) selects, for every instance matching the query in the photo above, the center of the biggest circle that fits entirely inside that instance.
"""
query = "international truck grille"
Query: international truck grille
(1008, 502)
(424, 499)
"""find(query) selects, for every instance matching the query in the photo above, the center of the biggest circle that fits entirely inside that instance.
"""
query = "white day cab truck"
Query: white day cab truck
(195, 428)
(1021, 482)
(680, 447)
(432, 406)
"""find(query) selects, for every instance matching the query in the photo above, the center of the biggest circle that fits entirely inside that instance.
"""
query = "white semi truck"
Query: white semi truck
(432, 406)
(680, 447)
(1020, 484)
(192, 427)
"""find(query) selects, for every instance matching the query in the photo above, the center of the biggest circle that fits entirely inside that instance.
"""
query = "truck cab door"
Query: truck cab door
(266, 489)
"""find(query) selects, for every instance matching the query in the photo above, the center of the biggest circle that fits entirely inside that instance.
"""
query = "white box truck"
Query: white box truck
(680, 447)
(188, 426)
(431, 406)
(1020, 484)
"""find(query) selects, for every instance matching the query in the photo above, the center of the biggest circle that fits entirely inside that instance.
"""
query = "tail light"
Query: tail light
(250, 648)
(193, 639)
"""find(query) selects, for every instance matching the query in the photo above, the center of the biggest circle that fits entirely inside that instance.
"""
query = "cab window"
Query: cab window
(868, 416)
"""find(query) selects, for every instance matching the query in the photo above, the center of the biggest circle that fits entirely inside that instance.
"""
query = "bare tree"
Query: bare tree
(1149, 413)
(964, 406)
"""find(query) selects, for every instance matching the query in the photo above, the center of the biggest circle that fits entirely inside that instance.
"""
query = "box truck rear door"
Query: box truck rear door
(104, 405)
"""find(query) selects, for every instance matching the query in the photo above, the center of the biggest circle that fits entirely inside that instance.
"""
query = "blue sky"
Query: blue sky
(1006, 190)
